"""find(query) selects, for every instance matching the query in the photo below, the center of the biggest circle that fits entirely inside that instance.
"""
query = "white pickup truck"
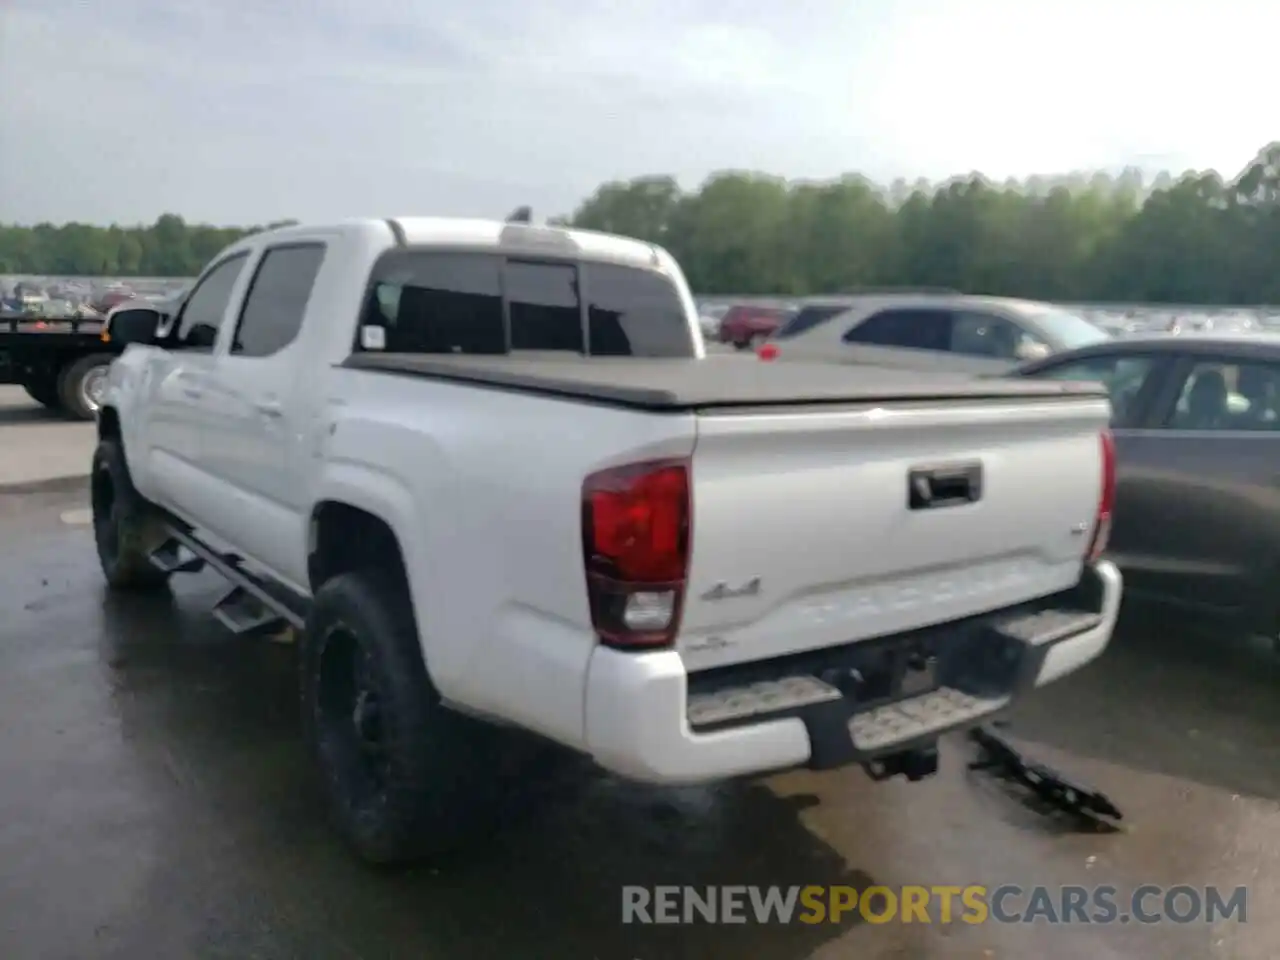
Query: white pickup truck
(488, 473)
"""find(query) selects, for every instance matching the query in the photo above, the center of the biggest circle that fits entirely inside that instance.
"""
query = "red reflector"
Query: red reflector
(635, 544)
(768, 351)
(1106, 497)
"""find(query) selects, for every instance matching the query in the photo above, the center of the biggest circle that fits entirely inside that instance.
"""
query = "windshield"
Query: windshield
(1068, 329)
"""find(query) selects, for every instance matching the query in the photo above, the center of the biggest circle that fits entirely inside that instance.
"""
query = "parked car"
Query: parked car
(1196, 420)
(473, 494)
(746, 325)
(709, 317)
(929, 330)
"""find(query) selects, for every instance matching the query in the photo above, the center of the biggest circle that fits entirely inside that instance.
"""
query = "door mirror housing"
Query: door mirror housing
(1031, 350)
(132, 326)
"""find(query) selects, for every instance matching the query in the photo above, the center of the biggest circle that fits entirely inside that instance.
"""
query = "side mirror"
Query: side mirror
(132, 326)
(1031, 350)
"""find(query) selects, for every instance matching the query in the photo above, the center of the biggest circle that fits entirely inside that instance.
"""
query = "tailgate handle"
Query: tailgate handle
(946, 485)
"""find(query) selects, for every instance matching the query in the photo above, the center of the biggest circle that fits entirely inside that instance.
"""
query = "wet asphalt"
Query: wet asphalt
(155, 802)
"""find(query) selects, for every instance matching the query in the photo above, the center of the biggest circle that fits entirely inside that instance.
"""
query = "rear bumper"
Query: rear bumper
(644, 721)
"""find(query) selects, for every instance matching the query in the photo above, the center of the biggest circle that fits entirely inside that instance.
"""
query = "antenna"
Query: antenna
(521, 215)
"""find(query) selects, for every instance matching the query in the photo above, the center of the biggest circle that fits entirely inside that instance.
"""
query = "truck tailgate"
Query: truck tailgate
(804, 534)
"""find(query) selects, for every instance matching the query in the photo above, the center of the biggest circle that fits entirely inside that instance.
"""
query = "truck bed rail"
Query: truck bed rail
(51, 325)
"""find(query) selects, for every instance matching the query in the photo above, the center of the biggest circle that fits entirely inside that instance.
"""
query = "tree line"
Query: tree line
(1193, 239)
(170, 247)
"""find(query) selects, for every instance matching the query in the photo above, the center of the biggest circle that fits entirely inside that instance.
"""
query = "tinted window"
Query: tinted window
(1123, 376)
(453, 303)
(806, 319)
(919, 329)
(208, 304)
(986, 335)
(1228, 396)
(277, 299)
(439, 303)
(634, 313)
(546, 313)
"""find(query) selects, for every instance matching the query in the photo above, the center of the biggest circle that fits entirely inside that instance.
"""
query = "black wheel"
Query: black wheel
(81, 385)
(125, 527)
(404, 776)
(44, 392)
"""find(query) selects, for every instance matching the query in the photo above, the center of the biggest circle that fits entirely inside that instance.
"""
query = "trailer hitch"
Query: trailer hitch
(1005, 762)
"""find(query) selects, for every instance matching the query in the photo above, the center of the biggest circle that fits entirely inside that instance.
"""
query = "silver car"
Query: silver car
(929, 331)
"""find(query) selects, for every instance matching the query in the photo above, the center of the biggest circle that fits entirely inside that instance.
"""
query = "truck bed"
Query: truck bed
(713, 383)
(25, 329)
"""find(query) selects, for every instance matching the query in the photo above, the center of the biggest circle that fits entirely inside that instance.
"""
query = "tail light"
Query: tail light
(635, 546)
(1106, 498)
(768, 351)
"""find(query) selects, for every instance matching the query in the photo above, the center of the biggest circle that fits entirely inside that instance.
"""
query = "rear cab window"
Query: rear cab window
(482, 303)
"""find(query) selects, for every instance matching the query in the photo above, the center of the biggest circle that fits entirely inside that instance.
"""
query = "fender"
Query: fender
(389, 498)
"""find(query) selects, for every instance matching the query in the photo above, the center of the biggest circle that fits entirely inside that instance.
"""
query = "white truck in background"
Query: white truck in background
(487, 472)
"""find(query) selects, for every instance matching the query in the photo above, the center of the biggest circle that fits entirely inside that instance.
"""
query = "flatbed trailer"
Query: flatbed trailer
(60, 361)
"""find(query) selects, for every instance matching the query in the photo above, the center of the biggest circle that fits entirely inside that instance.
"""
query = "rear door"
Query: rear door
(254, 445)
(1202, 486)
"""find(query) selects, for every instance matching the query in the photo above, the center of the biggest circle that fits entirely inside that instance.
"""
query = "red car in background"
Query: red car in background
(746, 326)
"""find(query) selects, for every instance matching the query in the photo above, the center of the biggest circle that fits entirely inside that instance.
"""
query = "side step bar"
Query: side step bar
(245, 615)
(250, 607)
(172, 557)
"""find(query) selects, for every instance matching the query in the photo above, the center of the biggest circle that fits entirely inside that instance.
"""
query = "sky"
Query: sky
(247, 111)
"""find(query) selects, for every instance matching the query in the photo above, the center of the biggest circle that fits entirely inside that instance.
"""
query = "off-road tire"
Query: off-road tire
(71, 385)
(442, 775)
(126, 528)
(44, 392)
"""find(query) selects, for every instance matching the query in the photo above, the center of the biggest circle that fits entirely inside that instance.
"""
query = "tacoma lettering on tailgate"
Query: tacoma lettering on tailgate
(920, 592)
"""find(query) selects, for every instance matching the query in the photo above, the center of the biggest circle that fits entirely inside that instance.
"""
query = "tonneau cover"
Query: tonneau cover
(714, 382)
